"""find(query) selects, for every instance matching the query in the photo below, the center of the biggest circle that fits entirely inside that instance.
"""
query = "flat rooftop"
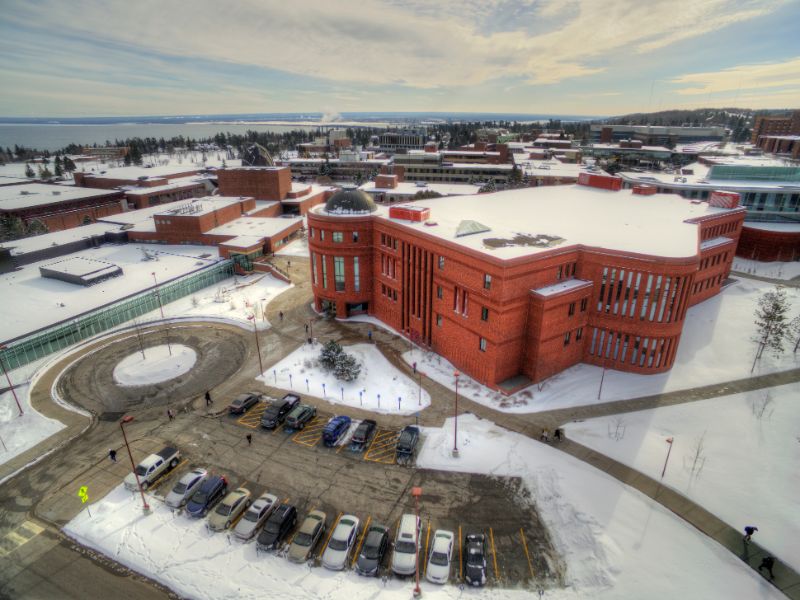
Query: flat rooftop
(57, 238)
(197, 206)
(409, 188)
(174, 184)
(29, 195)
(135, 172)
(529, 221)
(255, 226)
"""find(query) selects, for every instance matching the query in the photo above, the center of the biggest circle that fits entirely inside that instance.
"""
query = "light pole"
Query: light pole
(420, 388)
(664, 470)
(602, 377)
(417, 492)
(11, 385)
(128, 419)
(258, 347)
(161, 307)
(455, 423)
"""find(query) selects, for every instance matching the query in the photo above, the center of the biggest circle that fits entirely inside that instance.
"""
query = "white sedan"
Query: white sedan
(255, 516)
(341, 543)
(186, 486)
(439, 559)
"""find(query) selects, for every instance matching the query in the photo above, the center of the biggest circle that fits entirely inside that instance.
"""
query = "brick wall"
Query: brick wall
(768, 246)
(262, 183)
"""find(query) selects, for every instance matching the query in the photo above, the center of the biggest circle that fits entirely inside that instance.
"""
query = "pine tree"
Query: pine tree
(29, 171)
(771, 322)
(329, 354)
(346, 368)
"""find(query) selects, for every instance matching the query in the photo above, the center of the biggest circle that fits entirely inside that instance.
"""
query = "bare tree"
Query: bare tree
(794, 328)
(771, 321)
(762, 405)
(616, 428)
(698, 456)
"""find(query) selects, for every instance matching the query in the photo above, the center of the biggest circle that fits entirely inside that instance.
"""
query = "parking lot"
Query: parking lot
(299, 469)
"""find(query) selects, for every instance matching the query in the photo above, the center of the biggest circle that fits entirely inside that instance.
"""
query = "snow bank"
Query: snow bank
(738, 466)
(380, 387)
(18, 434)
(159, 363)
(716, 346)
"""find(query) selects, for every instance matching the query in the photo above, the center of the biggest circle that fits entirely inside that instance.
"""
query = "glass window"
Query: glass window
(578, 334)
(324, 269)
(338, 272)
(355, 236)
(438, 320)
(566, 338)
(487, 281)
(338, 236)
(314, 268)
(441, 262)
(322, 234)
(484, 314)
(482, 345)
(583, 304)
(356, 276)
(571, 310)
(439, 293)
(311, 232)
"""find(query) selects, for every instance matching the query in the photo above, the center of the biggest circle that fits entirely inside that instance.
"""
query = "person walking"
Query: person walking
(249, 437)
(288, 265)
(112, 454)
(557, 434)
(280, 315)
(369, 334)
(545, 437)
(208, 398)
(414, 365)
(767, 563)
(306, 329)
(748, 533)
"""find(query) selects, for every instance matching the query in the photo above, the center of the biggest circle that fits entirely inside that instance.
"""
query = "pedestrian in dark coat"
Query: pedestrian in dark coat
(249, 437)
(748, 533)
(208, 398)
(112, 454)
(280, 315)
(557, 434)
(767, 563)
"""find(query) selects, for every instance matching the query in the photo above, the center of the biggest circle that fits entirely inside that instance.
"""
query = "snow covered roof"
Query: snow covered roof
(57, 238)
(255, 226)
(714, 242)
(562, 286)
(136, 172)
(174, 184)
(198, 206)
(17, 197)
(410, 188)
(767, 226)
(82, 266)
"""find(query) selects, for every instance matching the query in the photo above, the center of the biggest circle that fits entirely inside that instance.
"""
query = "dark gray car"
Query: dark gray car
(372, 553)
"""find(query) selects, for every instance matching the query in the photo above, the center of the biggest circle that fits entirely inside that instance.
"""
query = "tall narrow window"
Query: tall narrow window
(356, 276)
(439, 293)
(571, 310)
(482, 345)
(560, 272)
(314, 268)
(578, 334)
(441, 262)
(487, 281)
(338, 272)
(324, 269)
(322, 235)
(355, 236)
(484, 314)
(566, 338)
(584, 302)
(438, 320)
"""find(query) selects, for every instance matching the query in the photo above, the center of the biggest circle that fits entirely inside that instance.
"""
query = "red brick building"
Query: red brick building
(516, 286)
(272, 183)
(775, 126)
(147, 186)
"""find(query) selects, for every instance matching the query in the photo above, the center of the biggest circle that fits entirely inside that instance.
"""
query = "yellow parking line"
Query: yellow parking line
(425, 556)
(330, 533)
(361, 542)
(527, 554)
(163, 477)
(460, 558)
(494, 554)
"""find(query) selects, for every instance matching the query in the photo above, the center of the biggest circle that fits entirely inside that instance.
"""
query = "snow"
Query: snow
(298, 247)
(746, 467)
(716, 346)
(27, 195)
(775, 270)
(18, 434)
(57, 238)
(617, 543)
(377, 388)
(562, 286)
(255, 226)
(159, 363)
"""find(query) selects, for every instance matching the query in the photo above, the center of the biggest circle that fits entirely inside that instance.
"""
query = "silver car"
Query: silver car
(232, 505)
(186, 486)
(341, 543)
(255, 516)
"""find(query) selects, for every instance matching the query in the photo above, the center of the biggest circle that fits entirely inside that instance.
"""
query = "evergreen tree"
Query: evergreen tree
(29, 171)
(329, 354)
(346, 368)
(69, 166)
(771, 322)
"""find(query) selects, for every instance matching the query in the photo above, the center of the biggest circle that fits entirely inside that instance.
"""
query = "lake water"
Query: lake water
(55, 137)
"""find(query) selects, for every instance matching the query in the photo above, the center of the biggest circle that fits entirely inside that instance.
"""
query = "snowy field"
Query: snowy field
(740, 466)
(775, 270)
(378, 387)
(18, 434)
(298, 247)
(617, 543)
(154, 365)
(715, 346)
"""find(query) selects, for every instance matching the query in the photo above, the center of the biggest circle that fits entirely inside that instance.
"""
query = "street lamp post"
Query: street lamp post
(258, 347)
(161, 308)
(602, 377)
(420, 388)
(10, 385)
(128, 419)
(417, 492)
(455, 423)
(664, 470)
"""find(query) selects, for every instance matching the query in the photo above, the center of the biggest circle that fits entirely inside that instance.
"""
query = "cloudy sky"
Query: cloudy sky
(592, 57)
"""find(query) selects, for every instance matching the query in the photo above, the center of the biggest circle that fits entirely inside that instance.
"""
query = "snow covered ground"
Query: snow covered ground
(298, 247)
(20, 433)
(617, 543)
(715, 346)
(740, 467)
(775, 270)
(154, 365)
(378, 387)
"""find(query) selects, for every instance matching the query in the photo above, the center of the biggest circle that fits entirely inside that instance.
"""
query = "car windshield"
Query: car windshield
(439, 558)
(179, 488)
(372, 547)
(238, 402)
(224, 509)
(141, 471)
(273, 526)
(271, 411)
(335, 544)
(251, 515)
(404, 546)
(302, 539)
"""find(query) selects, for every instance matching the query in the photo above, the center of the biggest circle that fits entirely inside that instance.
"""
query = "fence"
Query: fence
(52, 339)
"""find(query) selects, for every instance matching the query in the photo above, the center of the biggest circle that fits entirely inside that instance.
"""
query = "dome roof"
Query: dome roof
(350, 201)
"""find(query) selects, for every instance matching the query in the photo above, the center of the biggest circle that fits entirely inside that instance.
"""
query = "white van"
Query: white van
(404, 558)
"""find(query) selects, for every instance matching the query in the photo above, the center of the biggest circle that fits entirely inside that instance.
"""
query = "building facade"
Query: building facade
(775, 126)
(514, 318)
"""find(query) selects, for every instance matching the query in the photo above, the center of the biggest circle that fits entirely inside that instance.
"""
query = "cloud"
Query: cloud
(743, 77)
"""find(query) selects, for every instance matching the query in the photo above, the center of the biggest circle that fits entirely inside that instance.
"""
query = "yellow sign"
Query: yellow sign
(83, 494)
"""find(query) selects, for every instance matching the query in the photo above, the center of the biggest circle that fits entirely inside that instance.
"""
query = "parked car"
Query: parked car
(277, 410)
(404, 558)
(277, 527)
(233, 505)
(335, 429)
(153, 467)
(407, 443)
(307, 536)
(255, 516)
(299, 416)
(362, 434)
(441, 554)
(475, 559)
(207, 495)
(243, 402)
(375, 545)
(186, 486)
(341, 543)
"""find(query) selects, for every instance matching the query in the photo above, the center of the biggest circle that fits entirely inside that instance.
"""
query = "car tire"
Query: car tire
(173, 463)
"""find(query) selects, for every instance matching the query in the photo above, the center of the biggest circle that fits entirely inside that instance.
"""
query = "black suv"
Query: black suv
(278, 526)
(300, 416)
(475, 559)
(277, 411)
(407, 443)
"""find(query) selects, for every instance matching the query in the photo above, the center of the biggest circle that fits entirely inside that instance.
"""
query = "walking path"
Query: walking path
(793, 282)
(289, 332)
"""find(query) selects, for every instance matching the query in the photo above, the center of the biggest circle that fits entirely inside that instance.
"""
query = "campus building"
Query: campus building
(655, 134)
(433, 167)
(512, 287)
(775, 126)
